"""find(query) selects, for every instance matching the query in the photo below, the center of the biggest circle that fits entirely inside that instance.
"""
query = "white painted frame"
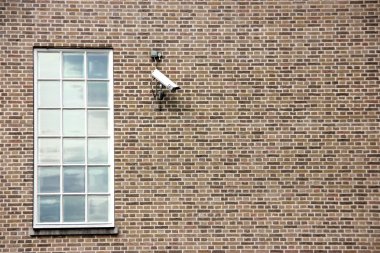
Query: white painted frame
(111, 203)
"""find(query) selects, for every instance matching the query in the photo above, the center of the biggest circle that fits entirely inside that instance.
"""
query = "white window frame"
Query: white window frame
(111, 202)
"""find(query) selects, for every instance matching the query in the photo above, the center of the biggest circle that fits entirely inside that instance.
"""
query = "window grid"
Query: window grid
(86, 108)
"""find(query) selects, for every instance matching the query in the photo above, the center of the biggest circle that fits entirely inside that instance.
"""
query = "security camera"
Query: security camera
(169, 84)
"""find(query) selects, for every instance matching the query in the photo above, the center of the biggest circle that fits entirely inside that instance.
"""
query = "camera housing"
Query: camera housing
(165, 81)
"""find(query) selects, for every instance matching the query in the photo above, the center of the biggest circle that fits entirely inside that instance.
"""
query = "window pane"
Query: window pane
(48, 65)
(73, 122)
(49, 94)
(73, 114)
(97, 94)
(48, 179)
(73, 208)
(48, 208)
(73, 65)
(49, 150)
(49, 122)
(73, 179)
(97, 208)
(97, 122)
(73, 94)
(98, 150)
(97, 179)
(73, 150)
(97, 65)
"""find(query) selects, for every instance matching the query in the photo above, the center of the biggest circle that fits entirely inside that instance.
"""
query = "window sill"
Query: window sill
(73, 231)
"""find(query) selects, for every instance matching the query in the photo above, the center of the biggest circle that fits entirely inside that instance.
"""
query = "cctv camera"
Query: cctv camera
(164, 80)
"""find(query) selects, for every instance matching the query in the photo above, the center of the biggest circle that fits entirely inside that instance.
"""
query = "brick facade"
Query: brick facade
(272, 145)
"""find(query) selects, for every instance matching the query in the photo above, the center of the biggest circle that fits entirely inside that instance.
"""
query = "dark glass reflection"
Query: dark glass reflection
(73, 65)
(48, 208)
(97, 66)
(48, 179)
(73, 208)
(73, 179)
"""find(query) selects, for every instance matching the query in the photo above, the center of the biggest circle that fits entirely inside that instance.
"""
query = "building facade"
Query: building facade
(272, 144)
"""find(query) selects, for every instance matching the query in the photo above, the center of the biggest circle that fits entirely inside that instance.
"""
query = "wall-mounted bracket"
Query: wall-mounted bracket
(155, 55)
(157, 90)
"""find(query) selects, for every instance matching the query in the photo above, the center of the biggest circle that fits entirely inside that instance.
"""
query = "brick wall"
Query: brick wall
(273, 143)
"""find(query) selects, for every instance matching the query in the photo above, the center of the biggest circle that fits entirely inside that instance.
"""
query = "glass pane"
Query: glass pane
(73, 150)
(97, 179)
(48, 208)
(73, 65)
(49, 122)
(97, 94)
(73, 94)
(49, 150)
(73, 179)
(97, 65)
(73, 122)
(48, 65)
(98, 150)
(97, 208)
(73, 208)
(49, 94)
(48, 179)
(97, 122)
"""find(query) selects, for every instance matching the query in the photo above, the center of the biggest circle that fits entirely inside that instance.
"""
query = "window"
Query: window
(73, 131)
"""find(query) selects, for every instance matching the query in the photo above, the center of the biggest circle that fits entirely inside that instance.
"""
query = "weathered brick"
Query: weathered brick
(272, 145)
